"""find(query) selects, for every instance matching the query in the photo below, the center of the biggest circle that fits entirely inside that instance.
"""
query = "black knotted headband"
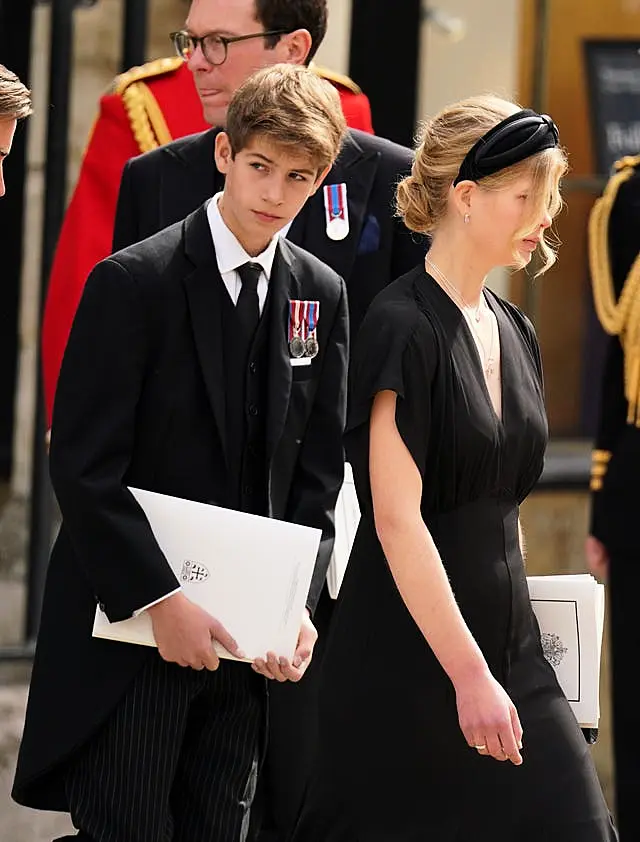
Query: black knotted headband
(519, 136)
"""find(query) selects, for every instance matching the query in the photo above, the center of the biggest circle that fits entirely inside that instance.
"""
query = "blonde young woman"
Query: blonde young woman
(441, 720)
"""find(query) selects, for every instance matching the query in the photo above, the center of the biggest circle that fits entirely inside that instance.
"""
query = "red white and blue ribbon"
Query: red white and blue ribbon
(303, 322)
(336, 210)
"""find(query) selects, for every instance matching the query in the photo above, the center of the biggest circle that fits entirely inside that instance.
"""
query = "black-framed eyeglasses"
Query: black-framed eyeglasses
(214, 47)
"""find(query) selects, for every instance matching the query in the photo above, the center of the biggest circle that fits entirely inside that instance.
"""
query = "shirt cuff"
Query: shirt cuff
(155, 602)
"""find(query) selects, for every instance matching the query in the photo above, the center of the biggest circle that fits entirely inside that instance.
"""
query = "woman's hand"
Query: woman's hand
(488, 718)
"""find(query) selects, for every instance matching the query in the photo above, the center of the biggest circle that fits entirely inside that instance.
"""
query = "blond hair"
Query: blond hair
(422, 198)
(15, 98)
(291, 106)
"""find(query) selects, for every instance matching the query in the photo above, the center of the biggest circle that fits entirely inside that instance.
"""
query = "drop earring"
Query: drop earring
(467, 217)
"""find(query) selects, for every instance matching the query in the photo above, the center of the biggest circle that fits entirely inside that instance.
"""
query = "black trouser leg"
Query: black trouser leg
(174, 758)
(292, 743)
(215, 780)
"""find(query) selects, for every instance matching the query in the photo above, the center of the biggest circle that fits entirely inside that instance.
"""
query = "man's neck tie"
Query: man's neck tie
(248, 307)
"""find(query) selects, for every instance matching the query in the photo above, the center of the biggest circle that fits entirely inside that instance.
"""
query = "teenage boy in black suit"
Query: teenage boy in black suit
(182, 376)
(366, 244)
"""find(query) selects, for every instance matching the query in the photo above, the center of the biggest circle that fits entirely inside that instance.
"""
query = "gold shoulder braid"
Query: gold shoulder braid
(599, 463)
(147, 121)
(338, 78)
(622, 317)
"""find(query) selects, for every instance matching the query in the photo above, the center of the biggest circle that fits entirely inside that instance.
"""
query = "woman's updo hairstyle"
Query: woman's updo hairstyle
(442, 144)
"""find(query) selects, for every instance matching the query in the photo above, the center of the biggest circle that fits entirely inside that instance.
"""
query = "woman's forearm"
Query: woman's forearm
(422, 581)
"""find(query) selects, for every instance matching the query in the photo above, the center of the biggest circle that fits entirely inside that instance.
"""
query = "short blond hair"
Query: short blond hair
(15, 98)
(423, 197)
(291, 106)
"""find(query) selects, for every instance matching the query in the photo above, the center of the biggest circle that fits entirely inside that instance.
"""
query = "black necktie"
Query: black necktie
(247, 307)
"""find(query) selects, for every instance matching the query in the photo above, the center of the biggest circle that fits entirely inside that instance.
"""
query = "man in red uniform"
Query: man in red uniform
(147, 107)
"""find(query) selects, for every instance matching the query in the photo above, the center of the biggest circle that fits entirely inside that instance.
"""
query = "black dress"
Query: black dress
(394, 765)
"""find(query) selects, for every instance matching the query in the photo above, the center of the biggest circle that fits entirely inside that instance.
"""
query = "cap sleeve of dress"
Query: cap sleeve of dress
(395, 350)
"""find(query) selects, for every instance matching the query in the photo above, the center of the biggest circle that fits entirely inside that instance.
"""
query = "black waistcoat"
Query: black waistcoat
(246, 383)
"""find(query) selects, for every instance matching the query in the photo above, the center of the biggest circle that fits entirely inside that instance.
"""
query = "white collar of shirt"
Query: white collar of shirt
(230, 254)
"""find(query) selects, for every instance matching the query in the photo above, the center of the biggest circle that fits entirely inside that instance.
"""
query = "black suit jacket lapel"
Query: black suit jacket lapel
(358, 169)
(203, 287)
(191, 179)
(283, 286)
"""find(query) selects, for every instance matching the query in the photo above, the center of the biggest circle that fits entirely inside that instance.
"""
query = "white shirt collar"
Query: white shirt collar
(229, 253)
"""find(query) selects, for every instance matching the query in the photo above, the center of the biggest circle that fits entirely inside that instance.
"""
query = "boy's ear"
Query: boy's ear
(321, 177)
(223, 153)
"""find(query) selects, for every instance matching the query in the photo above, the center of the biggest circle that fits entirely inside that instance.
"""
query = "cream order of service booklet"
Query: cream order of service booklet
(251, 573)
(570, 613)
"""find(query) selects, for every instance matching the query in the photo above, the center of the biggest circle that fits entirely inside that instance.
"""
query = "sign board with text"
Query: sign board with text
(613, 75)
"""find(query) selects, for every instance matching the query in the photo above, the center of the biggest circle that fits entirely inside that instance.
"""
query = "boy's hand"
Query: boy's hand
(185, 633)
(280, 669)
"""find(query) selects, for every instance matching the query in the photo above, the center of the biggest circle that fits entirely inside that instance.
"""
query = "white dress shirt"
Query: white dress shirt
(230, 255)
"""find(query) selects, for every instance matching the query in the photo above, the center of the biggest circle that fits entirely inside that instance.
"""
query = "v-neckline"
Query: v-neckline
(499, 419)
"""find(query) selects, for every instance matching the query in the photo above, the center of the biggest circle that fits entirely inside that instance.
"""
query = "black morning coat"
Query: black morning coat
(141, 402)
(166, 184)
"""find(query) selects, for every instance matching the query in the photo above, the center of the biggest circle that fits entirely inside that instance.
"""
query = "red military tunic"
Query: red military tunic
(149, 106)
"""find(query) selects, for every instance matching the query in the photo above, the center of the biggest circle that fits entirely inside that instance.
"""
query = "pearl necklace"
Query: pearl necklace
(488, 360)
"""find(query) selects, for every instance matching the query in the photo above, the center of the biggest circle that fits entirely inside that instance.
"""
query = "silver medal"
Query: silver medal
(296, 346)
(311, 346)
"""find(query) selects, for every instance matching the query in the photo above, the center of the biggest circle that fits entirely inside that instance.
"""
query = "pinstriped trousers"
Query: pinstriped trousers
(176, 761)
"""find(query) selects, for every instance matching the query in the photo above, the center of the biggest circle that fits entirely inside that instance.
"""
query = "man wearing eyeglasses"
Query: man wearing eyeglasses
(147, 107)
